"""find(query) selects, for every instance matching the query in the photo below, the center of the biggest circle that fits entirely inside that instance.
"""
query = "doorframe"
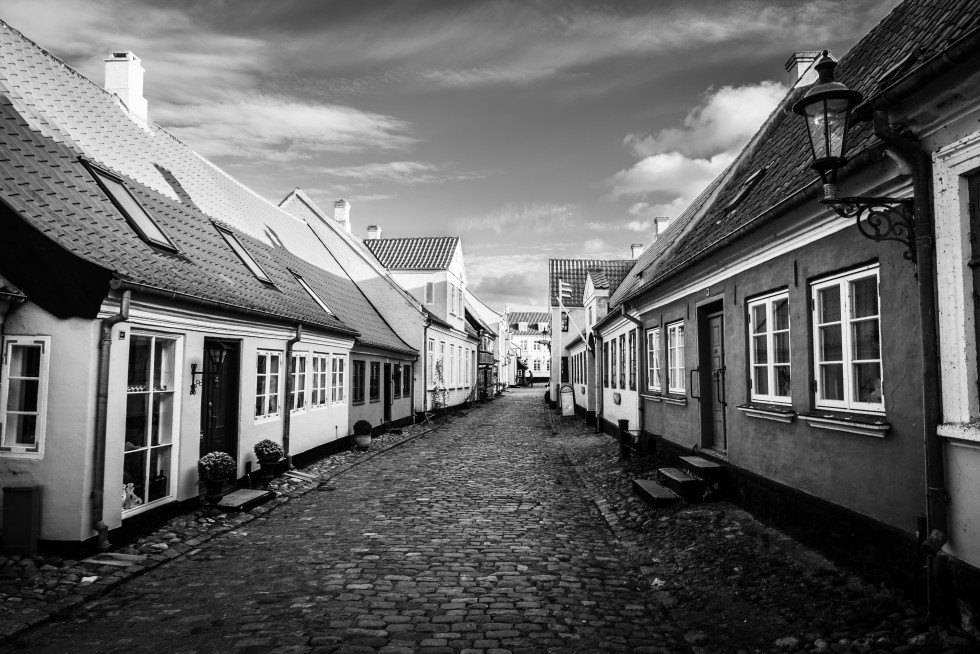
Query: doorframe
(707, 309)
(233, 365)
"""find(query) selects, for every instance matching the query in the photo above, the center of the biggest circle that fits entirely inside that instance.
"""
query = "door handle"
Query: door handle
(719, 376)
(692, 375)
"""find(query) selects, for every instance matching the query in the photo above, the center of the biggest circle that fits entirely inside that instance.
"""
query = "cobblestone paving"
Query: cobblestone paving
(477, 537)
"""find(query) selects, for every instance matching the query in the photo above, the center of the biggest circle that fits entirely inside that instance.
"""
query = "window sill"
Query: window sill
(375, 400)
(358, 403)
(960, 431)
(768, 412)
(678, 400)
(22, 452)
(653, 398)
(863, 425)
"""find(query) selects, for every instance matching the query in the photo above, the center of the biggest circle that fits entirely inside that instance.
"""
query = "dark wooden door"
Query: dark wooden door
(386, 393)
(219, 401)
(716, 389)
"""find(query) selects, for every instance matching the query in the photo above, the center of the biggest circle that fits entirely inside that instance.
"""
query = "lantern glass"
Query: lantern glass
(827, 121)
(216, 353)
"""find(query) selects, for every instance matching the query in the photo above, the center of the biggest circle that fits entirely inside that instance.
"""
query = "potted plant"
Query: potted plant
(362, 434)
(215, 468)
(269, 453)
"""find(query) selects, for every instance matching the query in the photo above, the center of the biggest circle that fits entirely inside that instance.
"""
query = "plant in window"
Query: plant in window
(267, 451)
(362, 434)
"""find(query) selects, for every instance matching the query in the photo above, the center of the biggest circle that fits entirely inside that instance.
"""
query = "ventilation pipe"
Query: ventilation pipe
(101, 422)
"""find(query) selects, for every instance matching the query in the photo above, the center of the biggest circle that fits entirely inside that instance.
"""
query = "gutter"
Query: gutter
(287, 418)
(937, 518)
(101, 422)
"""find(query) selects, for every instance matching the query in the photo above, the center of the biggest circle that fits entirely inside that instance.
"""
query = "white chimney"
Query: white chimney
(124, 78)
(341, 213)
(662, 223)
(373, 232)
(800, 67)
(637, 250)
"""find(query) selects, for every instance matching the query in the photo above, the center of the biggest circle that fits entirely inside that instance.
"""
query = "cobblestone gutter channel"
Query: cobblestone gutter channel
(733, 584)
(35, 589)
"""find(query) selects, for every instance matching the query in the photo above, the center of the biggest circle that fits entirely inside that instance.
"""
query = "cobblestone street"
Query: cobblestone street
(502, 531)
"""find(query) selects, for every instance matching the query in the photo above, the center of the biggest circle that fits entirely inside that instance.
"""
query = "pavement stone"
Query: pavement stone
(504, 529)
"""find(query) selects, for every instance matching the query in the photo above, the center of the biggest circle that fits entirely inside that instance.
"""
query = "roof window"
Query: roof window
(131, 209)
(746, 187)
(309, 289)
(243, 254)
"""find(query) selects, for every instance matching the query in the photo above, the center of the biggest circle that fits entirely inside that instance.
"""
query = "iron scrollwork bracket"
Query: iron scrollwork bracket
(881, 219)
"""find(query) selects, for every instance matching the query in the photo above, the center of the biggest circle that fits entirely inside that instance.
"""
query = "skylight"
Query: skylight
(131, 209)
(746, 187)
(312, 293)
(243, 254)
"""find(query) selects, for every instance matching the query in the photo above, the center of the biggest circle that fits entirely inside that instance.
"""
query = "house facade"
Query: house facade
(530, 338)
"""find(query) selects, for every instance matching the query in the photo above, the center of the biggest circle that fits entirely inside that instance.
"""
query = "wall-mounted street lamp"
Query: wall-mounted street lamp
(216, 354)
(827, 109)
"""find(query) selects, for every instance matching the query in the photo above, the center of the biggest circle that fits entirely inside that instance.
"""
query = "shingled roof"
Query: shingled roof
(418, 253)
(919, 28)
(515, 318)
(575, 272)
(55, 116)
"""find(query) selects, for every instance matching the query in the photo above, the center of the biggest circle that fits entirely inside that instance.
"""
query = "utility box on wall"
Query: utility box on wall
(21, 519)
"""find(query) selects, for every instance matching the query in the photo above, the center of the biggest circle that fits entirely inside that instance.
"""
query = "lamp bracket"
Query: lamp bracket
(881, 219)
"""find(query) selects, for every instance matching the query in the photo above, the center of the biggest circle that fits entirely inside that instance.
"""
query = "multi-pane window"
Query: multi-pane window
(622, 360)
(374, 385)
(297, 370)
(441, 364)
(318, 388)
(654, 382)
(547, 365)
(605, 367)
(23, 395)
(150, 420)
(357, 382)
(847, 343)
(452, 301)
(564, 322)
(769, 348)
(407, 380)
(337, 382)
(267, 384)
(676, 379)
(537, 365)
(396, 379)
(430, 360)
(452, 365)
(612, 361)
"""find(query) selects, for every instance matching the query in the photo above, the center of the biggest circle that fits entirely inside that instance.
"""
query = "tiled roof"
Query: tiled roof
(420, 253)
(46, 98)
(575, 271)
(514, 318)
(781, 146)
(598, 278)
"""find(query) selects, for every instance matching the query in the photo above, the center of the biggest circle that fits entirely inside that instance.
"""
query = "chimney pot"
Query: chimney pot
(124, 78)
(636, 249)
(373, 232)
(799, 67)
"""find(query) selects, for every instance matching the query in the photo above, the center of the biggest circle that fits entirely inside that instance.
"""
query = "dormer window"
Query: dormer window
(542, 327)
(243, 254)
(522, 326)
(311, 292)
(134, 213)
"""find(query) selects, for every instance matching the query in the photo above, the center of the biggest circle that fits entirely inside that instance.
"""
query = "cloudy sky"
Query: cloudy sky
(532, 129)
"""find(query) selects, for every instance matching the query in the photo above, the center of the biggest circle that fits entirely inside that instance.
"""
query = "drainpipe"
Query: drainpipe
(287, 415)
(936, 494)
(640, 363)
(425, 364)
(101, 422)
(599, 372)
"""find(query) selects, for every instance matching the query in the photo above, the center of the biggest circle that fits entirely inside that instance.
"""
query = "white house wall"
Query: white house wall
(626, 409)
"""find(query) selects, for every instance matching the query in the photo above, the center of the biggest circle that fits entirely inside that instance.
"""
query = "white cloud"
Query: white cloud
(672, 174)
(523, 219)
(398, 172)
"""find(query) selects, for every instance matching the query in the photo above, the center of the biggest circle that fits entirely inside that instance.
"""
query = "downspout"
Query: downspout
(600, 370)
(640, 365)
(101, 422)
(425, 364)
(288, 410)
(936, 494)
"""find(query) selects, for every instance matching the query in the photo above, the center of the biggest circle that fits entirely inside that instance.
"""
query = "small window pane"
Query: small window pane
(782, 381)
(831, 348)
(760, 380)
(759, 319)
(760, 347)
(134, 472)
(163, 371)
(159, 471)
(864, 296)
(780, 314)
(867, 382)
(23, 428)
(22, 395)
(865, 343)
(832, 381)
(137, 410)
(162, 418)
(139, 363)
(25, 360)
(830, 304)
(780, 347)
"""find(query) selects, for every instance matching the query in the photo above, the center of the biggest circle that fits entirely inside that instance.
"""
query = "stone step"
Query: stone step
(688, 487)
(244, 499)
(710, 472)
(653, 494)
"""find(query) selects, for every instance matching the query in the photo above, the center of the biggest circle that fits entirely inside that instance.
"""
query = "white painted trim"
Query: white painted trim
(765, 414)
(15, 451)
(839, 424)
(969, 431)
(958, 359)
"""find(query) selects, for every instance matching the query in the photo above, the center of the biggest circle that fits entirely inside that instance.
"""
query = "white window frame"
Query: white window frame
(429, 293)
(431, 360)
(676, 374)
(265, 414)
(320, 384)
(297, 371)
(770, 334)
(35, 451)
(174, 443)
(655, 381)
(613, 359)
(338, 380)
(844, 282)
(452, 303)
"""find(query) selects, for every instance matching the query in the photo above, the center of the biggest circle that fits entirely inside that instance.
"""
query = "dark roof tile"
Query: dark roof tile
(420, 253)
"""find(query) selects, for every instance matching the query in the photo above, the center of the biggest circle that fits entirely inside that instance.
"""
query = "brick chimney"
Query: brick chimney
(341, 213)
(373, 232)
(636, 250)
(800, 67)
(124, 78)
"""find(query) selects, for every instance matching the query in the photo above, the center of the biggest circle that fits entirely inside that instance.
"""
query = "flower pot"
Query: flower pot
(268, 471)
(362, 441)
(214, 490)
